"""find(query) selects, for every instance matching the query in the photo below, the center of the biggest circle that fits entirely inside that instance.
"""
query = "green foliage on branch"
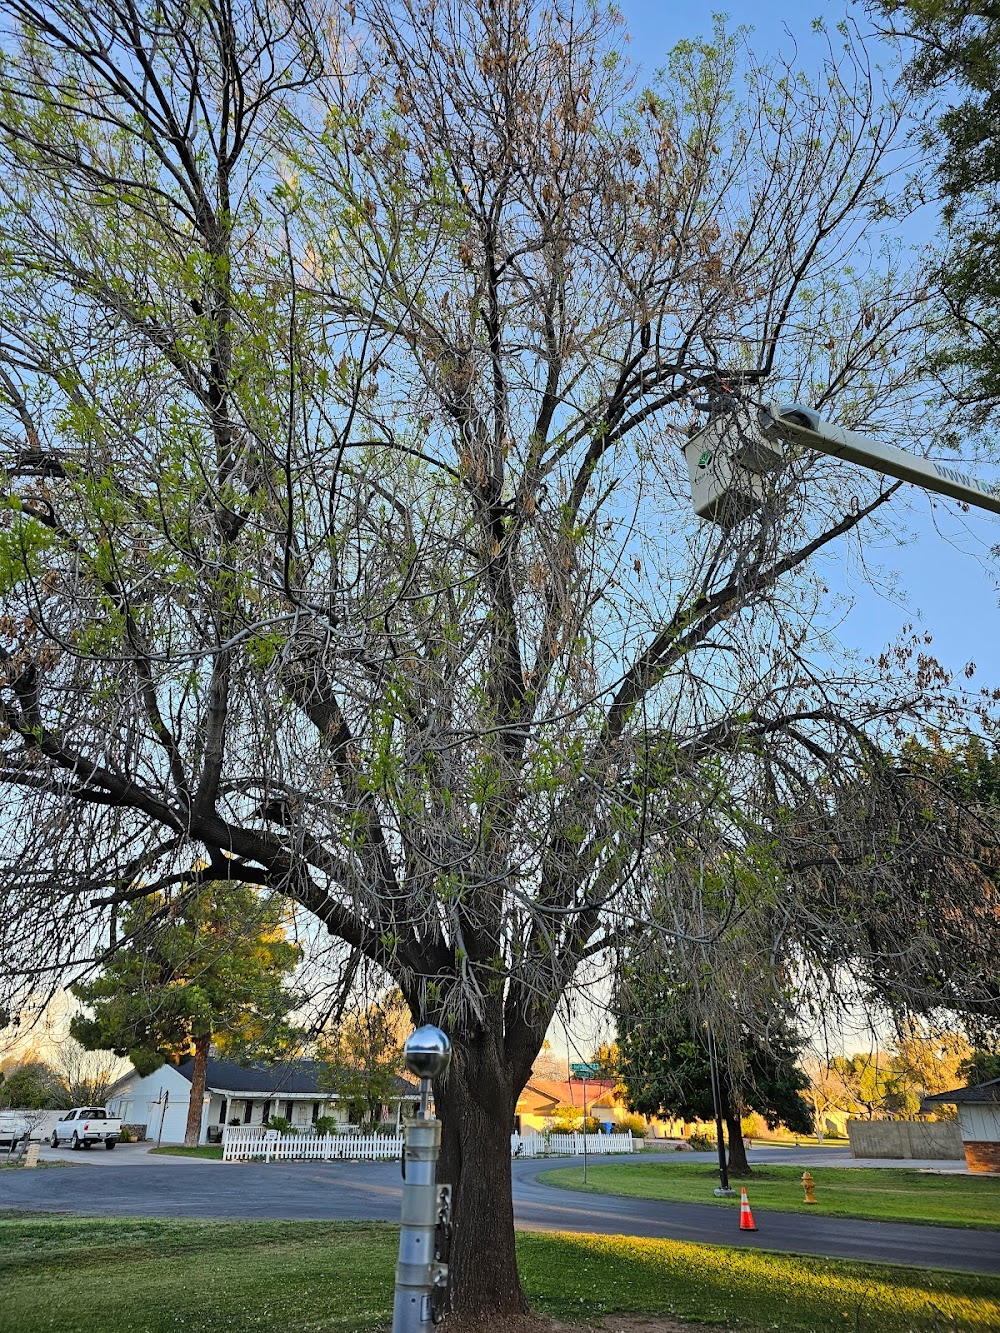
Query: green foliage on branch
(664, 1062)
(211, 962)
(954, 59)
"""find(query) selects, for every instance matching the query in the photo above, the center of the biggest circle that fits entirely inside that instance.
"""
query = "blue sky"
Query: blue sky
(947, 579)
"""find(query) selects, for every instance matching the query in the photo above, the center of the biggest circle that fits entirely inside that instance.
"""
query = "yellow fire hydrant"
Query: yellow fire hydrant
(808, 1185)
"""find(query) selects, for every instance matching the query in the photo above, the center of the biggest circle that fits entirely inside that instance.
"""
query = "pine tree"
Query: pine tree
(208, 966)
(664, 1065)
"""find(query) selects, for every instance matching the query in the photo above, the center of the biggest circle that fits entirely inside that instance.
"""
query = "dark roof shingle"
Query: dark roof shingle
(301, 1076)
(983, 1093)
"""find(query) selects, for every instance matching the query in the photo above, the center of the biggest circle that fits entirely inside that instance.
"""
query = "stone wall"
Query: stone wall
(904, 1138)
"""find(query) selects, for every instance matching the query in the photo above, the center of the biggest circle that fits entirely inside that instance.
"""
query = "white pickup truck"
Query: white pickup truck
(85, 1125)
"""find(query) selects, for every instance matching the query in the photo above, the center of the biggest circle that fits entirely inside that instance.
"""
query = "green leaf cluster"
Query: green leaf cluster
(212, 962)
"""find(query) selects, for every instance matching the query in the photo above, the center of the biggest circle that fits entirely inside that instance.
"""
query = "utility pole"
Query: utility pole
(724, 1191)
(426, 1205)
(164, 1103)
(585, 1129)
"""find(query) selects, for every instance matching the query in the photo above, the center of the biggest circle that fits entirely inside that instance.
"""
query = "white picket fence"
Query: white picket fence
(568, 1145)
(246, 1143)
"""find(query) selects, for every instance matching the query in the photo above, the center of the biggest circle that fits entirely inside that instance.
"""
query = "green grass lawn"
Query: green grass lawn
(210, 1150)
(887, 1193)
(62, 1274)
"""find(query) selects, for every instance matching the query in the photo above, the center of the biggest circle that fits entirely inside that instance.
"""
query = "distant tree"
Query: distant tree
(825, 1091)
(548, 1065)
(954, 59)
(362, 1056)
(85, 1075)
(892, 1083)
(207, 966)
(980, 1067)
(34, 1086)
(865, 1077)
(925, 1061)
(569, 1119)
(606, 1058)
(664, 1065)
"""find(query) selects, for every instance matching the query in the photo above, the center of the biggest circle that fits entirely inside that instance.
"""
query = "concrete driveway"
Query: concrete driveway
(123, 1154)
(130, 1182)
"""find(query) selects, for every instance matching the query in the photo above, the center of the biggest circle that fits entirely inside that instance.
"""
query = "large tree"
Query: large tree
(205, 966)
(348, 356)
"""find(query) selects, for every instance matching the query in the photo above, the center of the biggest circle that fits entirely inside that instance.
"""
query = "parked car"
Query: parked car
(14, 1125)
(85, 1125)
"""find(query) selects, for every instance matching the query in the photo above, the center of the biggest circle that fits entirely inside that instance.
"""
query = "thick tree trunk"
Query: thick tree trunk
(192, 1131)
(476, 1103)
(739, 1167)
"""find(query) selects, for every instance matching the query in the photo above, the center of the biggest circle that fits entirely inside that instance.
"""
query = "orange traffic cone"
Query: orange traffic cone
(746, 1216)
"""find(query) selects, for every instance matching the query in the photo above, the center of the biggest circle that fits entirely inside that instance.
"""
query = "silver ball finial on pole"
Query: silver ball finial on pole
(426, 1205)
(426, 1053)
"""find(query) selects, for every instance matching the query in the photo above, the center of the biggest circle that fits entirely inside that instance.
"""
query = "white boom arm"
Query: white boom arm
(802, 426)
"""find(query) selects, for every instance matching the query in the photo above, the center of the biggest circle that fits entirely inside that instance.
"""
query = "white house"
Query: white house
(978, 1122)
(235, 1094)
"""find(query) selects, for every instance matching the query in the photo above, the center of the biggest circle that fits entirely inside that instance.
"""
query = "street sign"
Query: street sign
(585, 1071)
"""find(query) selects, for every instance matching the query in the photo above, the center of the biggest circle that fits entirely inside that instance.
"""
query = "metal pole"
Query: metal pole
(585, 1129)
(713, 1072)
(416, 1271)
(425, 1203)
(165, 1098)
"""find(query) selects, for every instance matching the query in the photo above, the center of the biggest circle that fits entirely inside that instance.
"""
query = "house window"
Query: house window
(288, 1111)
(266, 1113)
(222, 1111)
(315, 1112)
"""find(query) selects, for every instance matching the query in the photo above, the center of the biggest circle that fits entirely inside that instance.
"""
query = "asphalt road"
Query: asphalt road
(120, 1183)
